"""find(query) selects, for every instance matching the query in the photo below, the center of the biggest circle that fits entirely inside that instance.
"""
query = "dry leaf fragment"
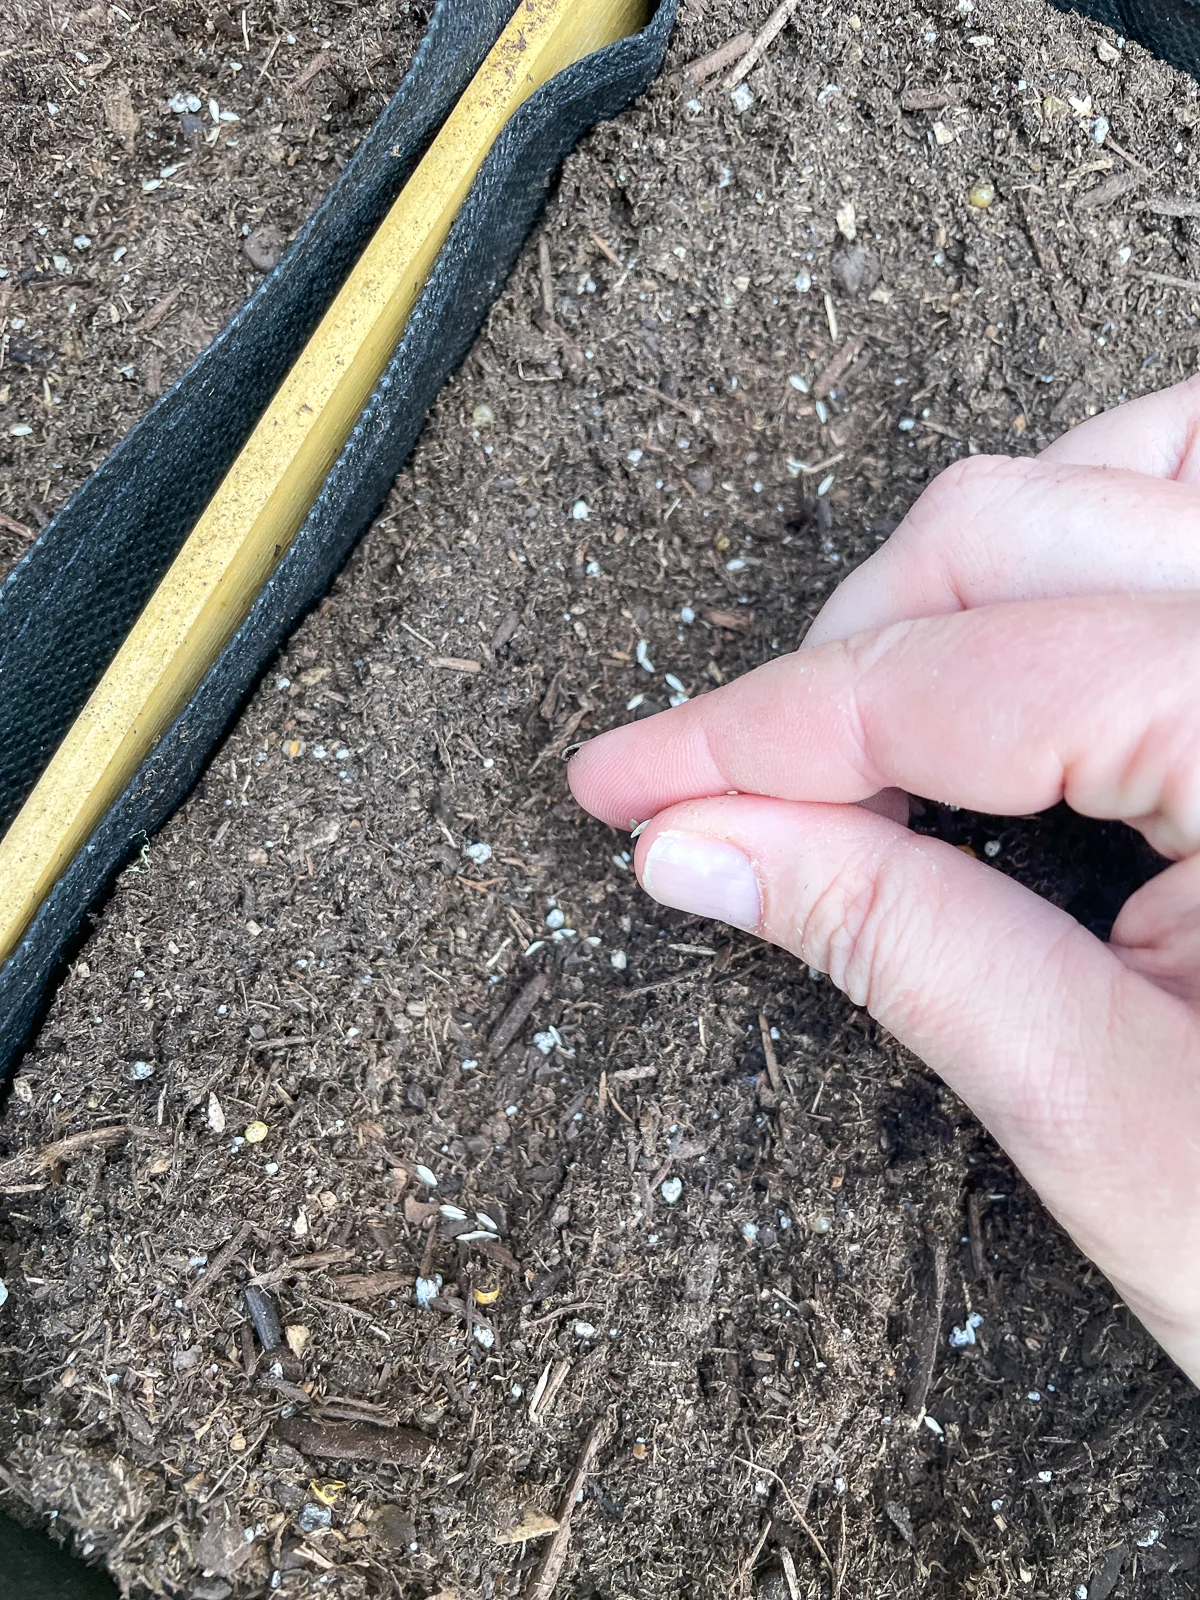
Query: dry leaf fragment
(534, 1524)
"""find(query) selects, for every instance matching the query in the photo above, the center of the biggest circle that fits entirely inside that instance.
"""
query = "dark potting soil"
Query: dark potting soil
(321, 943)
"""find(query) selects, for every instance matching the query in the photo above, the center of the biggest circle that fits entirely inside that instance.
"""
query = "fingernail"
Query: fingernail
(707, 877)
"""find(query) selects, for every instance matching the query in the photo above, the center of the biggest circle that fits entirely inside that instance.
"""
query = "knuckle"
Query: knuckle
(962, 493)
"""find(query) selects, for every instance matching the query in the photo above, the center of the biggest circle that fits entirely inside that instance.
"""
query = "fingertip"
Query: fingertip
(595, 775)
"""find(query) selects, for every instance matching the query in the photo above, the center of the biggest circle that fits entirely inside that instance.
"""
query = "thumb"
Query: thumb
(1083, 1069)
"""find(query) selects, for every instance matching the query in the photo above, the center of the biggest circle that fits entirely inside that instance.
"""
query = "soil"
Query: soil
(707, 1206)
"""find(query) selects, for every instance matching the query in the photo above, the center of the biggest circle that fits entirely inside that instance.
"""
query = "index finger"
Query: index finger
(1005, 709)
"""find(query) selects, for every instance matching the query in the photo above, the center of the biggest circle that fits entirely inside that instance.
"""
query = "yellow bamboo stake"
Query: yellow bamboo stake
(268, 491)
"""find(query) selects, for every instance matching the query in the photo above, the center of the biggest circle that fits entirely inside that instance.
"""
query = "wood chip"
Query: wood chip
(517, 1014)
(546, 272)
(304, 77)
(1166, 281)
(735, 621)
(1110, 191)
(63, 1151)
(457, 664)
(705, 67)
(838, 367)
(773, 1073)
(1171, 207)
(534, 1524)
(161, 309)
(356, 1441)
(918, 99)
(13, 526)
(545, 1579)
(370, 1285)
(219, 1262)
(928, 1334)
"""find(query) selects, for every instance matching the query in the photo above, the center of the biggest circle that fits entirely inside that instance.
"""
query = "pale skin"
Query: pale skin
(1029, 634)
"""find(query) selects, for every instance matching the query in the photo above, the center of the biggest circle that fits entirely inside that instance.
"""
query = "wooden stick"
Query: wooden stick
(549, 1569)
(767, 34)
(705, 67)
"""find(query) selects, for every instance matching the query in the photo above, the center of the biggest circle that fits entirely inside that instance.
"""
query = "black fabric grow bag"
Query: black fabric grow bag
(69, 604)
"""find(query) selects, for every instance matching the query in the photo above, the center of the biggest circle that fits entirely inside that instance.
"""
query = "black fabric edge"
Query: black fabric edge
(68, 604)
(487, 236)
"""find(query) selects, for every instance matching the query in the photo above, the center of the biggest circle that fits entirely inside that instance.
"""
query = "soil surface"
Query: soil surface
(703, 1226)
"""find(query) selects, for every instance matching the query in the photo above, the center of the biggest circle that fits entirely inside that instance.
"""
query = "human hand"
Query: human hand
(1030, 633)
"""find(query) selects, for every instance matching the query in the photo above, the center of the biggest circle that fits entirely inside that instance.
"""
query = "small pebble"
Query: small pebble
(484, 1336)
(427, 1290)
(555, 918)
(580, 511)
(479, 853)
(584, 1330)
(672, 1191)
(742, 97)
(314, 1517)
(618, 960)
(482, 416)
(3, 1291)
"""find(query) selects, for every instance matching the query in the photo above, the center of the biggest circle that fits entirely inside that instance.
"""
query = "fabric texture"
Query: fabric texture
(85, 553)
(1171, 28)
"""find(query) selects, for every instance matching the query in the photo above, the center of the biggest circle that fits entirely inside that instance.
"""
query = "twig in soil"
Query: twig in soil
(546, 268)
(918, 99)
(517, 1015)
(306, 75)
(755, 1466)
(420, 637)
(763, 40)
(63, 1151)
(819, 466)
(929, 1341)
(789, 1572)
(1160, 208)
(219, 1262)
(747, 1566)
(975, 1233)
(838, 367)
(1111, 144)
(13, 526)
(692, 413)
(1166, 281)
(772, 1060)
(549, 1569)
(161, 309)
(705, 67)
(607, 251)
(456, 663)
